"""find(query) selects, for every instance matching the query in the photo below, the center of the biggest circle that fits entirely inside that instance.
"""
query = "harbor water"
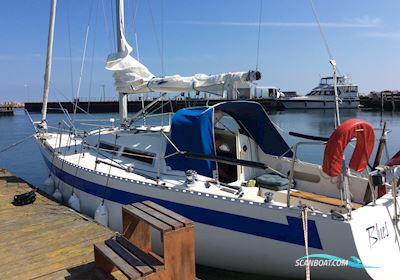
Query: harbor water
(26, 162)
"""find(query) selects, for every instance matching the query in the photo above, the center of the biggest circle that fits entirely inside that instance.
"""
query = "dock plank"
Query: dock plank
(44, 240)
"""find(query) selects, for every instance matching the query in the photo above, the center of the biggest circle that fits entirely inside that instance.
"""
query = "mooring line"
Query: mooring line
(15, 144)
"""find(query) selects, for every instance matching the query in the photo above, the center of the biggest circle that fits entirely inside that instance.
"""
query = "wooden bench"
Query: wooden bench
(322, 199)
(131, 253)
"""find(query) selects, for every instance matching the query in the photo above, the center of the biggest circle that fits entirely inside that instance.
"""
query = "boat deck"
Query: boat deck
(44, 240)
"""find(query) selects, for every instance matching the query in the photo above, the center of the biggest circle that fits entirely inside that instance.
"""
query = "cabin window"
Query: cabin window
(271, 92)
(139, 155)
(109, 147)
(225, 122)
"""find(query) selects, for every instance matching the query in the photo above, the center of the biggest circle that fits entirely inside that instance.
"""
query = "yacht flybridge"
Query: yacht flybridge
(257, 208)
(323, 96)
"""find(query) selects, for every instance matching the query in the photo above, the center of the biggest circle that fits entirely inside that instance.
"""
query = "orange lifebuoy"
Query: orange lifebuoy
(334, 150)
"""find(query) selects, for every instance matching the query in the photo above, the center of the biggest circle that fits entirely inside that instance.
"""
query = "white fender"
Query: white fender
(101, 214)
(57, 195)
(74, 202)
(49, 185)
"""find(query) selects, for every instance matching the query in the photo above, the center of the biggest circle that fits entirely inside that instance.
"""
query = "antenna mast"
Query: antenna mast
(337, 115)
(332, 61)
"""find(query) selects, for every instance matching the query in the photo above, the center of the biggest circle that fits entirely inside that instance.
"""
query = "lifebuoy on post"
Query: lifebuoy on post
(334, 150)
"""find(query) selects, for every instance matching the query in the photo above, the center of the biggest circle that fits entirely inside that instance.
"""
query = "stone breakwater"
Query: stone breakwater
(12, 104)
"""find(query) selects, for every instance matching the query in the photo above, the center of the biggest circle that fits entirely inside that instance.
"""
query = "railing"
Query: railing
(294, 148)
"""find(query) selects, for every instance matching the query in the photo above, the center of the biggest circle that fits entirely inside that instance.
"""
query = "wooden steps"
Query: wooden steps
(131, 253)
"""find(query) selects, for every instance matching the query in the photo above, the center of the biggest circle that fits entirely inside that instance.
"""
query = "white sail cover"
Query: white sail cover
(133, 77)
(199, 82)
(128, 72)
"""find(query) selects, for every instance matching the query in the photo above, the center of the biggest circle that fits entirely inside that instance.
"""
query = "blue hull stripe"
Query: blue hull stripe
(290, 233)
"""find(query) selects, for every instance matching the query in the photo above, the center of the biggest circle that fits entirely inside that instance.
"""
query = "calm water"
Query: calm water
(25, 160)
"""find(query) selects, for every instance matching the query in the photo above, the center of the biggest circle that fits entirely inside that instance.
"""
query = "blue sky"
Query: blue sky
(188, 37)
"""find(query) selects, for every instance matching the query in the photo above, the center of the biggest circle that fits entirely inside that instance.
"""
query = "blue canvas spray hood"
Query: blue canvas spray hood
(192, 130)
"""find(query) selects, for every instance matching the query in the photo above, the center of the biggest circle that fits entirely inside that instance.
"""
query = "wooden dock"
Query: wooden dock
(381, 101)
(44, 240)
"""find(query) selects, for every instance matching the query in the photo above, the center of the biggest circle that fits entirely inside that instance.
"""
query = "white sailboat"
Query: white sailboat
(204, 166)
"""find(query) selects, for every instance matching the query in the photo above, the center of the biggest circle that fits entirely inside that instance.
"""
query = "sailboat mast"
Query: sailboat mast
(122, 97)
(47, 74)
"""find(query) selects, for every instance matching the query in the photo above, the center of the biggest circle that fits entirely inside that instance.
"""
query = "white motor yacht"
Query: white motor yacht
(323, 96)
